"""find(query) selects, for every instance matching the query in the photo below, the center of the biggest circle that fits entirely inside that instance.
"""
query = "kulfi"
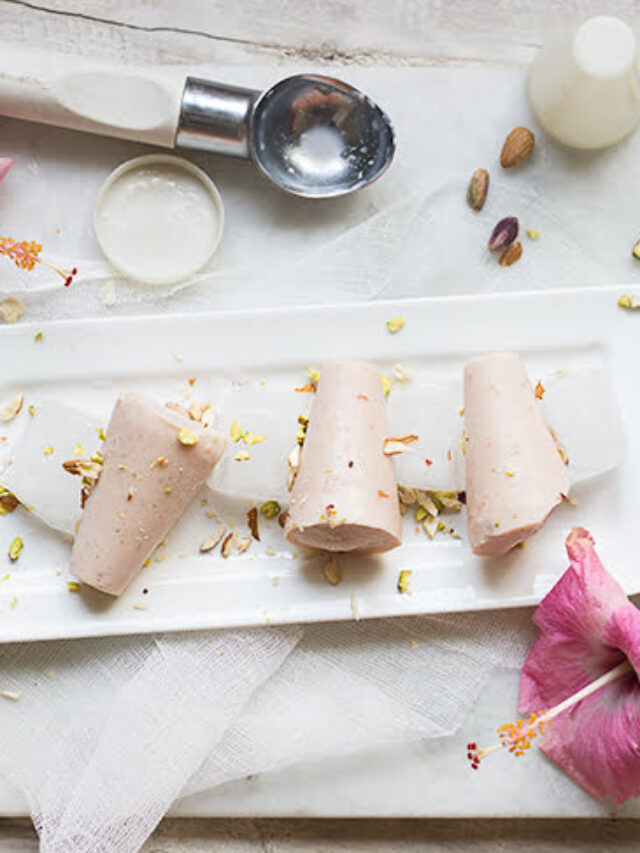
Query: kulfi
(154, 461)
(515, 476)
(344, 497)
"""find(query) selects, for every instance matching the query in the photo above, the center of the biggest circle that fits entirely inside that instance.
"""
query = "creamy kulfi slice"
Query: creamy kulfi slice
(344, 497)
(155, 460)
(515, 476)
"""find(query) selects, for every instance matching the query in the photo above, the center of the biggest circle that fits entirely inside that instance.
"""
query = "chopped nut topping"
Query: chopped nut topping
(74, 586)
(197, 410)
(242, 456)
(630, 302)
(382, 494)
(531, 233)
(235, 432)
(540, 389)
(39, 336)
(188, 437)
(48, 450)
(15, 548)
(141, 605)
(270, 509)
(308, 388)
(253, 438)
(11, 309)
(401, 374)
(314, 374)
(293, 461)
(161, 460)
(387, 384)
(8, 502)
(252, 521)
(12, 408)
(210, 542)
(404, 579)
(13, 695)
(32, 410)
(332, 571)
(282, 518)
(355, 610)
(398, 444)
(395, 324)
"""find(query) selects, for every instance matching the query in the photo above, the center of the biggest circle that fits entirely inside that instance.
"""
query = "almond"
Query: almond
(517, 147)
(511, 255)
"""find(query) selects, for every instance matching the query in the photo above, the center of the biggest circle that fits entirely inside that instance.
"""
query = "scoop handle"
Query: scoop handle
(128, 102)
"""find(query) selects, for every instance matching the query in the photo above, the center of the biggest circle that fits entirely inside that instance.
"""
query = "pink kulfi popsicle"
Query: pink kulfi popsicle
(515, 476)
(345, 496)
(148, 479)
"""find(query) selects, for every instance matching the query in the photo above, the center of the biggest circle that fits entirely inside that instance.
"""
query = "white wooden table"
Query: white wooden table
(413, 32)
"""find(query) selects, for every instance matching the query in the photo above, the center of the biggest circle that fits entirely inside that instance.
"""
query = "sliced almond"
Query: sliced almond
(210, 542)
(12, 408)
(332, 571)
(397, 444)
(11, 309)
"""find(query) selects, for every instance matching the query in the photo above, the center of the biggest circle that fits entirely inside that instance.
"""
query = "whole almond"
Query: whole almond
(478, 189)
(511, 255)
(517, 147)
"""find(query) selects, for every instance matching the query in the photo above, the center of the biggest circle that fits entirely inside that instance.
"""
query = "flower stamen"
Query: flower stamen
(516, 737)
(26, 254)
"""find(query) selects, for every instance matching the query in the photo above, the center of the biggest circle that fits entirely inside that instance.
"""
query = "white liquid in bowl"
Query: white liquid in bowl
(158, 219)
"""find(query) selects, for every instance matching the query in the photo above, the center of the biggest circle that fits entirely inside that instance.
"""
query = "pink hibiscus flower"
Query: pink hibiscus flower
(583, 668)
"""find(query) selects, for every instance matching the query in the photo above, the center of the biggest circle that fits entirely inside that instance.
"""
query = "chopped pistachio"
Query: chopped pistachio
(236, 433)
(421, 513)
(253, 438)
(15, 548)
(101, 434)
(32, 410)
(269, 551)
(160, 460)
(12, 408)
(510, 472)
(332, 571)
(463, 443)
(386, 384)
(270, 509)
(122, 467)
(395, 324)
(8, 501)
(38, 337)
(414, 644)
(188, 437)
(404, 579)
(242, 456)
(531, 233)
(78, 450)
(430, 525)
(74, 586)
(197, 410)
(630, 302)
(314, 374)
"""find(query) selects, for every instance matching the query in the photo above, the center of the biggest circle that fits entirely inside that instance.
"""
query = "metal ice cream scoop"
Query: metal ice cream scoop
(309, 135)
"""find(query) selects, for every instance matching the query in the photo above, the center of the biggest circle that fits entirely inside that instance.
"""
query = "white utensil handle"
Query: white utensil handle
(128, 102)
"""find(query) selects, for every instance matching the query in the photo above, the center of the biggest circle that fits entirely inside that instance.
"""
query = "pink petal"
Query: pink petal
(5, 165)
(570, 652)
(598, 741)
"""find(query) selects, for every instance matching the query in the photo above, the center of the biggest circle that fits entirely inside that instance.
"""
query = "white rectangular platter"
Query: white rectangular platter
(90, 362)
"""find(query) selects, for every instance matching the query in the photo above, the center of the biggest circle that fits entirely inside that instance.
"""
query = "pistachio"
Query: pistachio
(511, 255)
(386, 384)
(518, 146)
(395, 324)
(188, 437)
(73, 586)
(636, 251)
(235, 433)
(15, 548)
(532, 234)
(270, 509)
(504, 233)
(242, 456)
(478, 189)
(8, 502)
(404, 579)
(630, 302)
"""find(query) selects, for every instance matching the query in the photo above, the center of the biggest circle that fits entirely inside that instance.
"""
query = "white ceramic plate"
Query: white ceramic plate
(92, 361)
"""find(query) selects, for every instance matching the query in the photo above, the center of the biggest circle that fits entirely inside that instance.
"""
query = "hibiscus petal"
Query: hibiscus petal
(5, 164)
(569, 652)
(587, 627)
(598, 740)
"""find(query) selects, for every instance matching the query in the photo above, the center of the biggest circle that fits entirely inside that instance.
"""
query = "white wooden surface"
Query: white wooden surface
(420, 32)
